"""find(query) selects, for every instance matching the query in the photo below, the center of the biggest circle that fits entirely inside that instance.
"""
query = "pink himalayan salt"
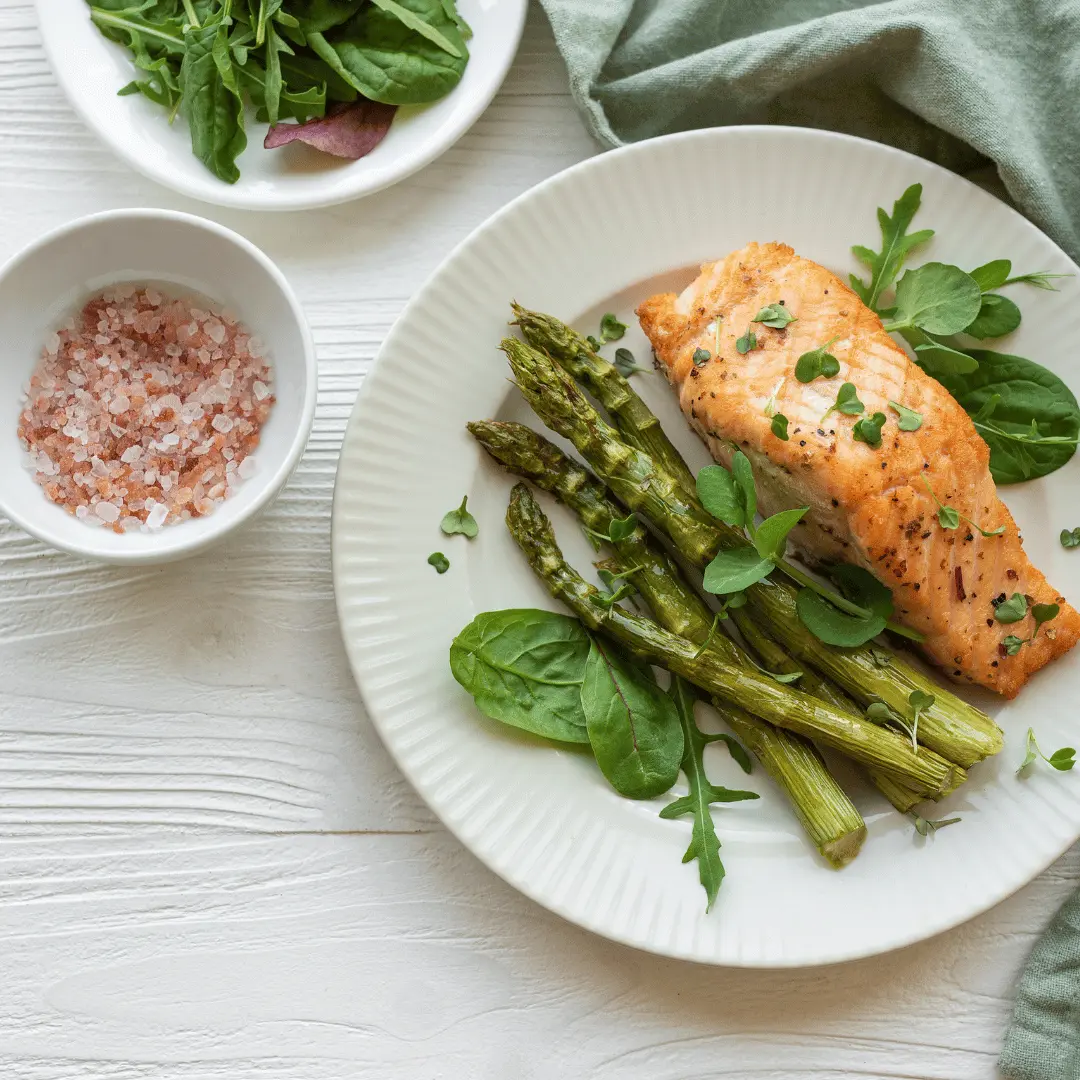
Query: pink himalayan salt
(143, 411)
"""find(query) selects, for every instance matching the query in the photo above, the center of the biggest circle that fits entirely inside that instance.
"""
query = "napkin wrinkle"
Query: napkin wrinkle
(961, 82)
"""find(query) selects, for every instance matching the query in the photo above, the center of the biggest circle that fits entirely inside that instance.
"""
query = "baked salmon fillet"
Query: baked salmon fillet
(874, 507)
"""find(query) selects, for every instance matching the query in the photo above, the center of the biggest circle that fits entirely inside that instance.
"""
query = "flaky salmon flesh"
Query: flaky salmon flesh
(874, 507)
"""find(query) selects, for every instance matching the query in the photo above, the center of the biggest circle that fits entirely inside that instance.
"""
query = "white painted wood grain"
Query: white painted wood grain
(209, 868)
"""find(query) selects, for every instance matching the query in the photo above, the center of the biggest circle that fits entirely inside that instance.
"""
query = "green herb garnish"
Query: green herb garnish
(779, 426)
(1012, 610)
(950, 518)
(1070, 538)
(909, 419)
(625, 364)
(701, 356)
(439, 561)
(747, 342)
(1062, 760)
(610, 328)
(868, 429)
(847, 402)
(775, 315)
(927, 826)
(459, 521)
(817, 362)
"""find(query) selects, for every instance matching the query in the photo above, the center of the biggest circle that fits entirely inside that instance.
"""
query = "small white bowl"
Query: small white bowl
(51, 278)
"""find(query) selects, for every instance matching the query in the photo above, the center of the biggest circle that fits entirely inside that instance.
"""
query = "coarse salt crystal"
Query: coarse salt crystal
(106, 511)
(247, 467)
(119, 404)
(222, 423)
(260, 390)
(131, 454)
(156, 518)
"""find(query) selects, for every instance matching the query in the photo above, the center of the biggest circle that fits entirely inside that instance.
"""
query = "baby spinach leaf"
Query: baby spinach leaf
(633, 726)
(817, 362)
(318, 16)
(721, 495)
(896, 244)
(1012, 610)
(1026, 393)
(610, 328)
(460, 521)
(997, 317)
(439, 561)
(211, 99)
(704, 843)
(770, 537)
(909, 419)
(779, 426)
(833, 626)
(735, 570)
(868, 429)
(938, 298)
(385, 60)
(775, 315)
(747, 342)
(992, 275)
(525, 667)
(425, 29)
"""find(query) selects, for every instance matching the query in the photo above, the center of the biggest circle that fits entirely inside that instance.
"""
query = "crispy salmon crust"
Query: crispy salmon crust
(872, 507)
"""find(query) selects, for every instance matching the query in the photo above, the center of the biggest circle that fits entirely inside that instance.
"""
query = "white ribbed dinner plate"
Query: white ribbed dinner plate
(602, 236)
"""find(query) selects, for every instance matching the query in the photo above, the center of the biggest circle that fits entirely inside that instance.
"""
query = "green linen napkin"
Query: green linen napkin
(956, 81)
(1043, 1042)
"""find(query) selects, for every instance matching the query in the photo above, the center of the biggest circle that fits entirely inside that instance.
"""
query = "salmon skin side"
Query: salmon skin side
(874, 507)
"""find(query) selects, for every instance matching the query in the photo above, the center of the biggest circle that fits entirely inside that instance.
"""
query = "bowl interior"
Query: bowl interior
(50, 280)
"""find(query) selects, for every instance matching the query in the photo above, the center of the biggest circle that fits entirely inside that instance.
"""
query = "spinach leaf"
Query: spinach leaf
(383, 59)
(211, 99)
(896, 244)
(525, 667)
(633, 726)
(938, 298)
(425, 29)
(1005, 396)
(997, 317)
(319, 16)
(704, 843)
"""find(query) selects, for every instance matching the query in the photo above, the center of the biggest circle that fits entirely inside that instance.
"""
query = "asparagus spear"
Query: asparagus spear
(951, 726)
(753, 690)
(679, 609)
(827, 814)
(635, 420)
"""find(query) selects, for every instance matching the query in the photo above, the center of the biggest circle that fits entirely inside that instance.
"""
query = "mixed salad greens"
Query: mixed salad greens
(338, 67)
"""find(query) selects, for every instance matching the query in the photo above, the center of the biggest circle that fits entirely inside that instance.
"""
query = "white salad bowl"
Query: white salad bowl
(49, 280)
(91, 69)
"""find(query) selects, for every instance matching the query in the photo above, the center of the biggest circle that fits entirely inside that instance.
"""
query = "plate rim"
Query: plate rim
(370, 384)
(236, 199)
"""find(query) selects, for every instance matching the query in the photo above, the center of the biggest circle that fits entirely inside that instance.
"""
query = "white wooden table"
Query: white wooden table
(209, 867)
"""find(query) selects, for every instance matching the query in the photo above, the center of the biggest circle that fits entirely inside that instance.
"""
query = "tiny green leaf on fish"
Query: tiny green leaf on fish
(909, 419)
(868, 429)
(1012, 610)
(701, 356)
(746, 343)
(817, 362)
(779, 426)
(774, 315)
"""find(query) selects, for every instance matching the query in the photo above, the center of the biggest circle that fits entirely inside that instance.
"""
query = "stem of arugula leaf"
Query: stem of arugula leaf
(839, 601)
(189, 10)
(106, 17)
(1060, 440)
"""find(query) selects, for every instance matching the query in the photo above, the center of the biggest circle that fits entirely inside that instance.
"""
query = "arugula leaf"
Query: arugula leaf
(701, 356)
(847, 401)
(909, 419)
(770, 537)
(735, 570)
(459, 521)
(817, 362)
(896, 244)
(775, 315)
(704, 843)
(1040, 279)
(1012, 610)
(1017, 392)
(610, 328)
(633, 726)
(868, 429)
(439, 561)
(625, 364)
(1070, 538)
(747, 342)
(997, 317)
(779, 426)
(524, 667)
(992, 275)
(938, 298)
(721, 495)
(738, 752)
